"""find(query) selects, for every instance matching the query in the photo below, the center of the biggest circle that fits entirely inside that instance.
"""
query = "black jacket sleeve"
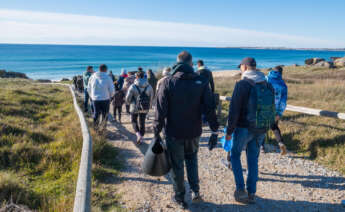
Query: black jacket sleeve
(161, 112)
(210, 108)
(211, 82)
(235, 107)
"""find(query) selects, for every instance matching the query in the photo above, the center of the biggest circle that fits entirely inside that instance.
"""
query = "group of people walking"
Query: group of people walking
(183, 100)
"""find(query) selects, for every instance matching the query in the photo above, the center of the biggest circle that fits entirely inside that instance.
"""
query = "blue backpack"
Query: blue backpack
(261, 107)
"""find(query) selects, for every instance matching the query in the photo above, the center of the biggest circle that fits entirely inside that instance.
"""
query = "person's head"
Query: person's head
(103, 68)
(278, 69)
(110, 72)
(123, 71)
(185, 57)
(248, 63)
(89, 69)
(149, 72)
(200, 63)
(166, 71)
(140, 75)
(140, 69)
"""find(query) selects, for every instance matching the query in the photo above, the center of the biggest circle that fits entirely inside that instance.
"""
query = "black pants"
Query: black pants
(100, 108)
(277, 133)
(183, 152)
(127, 108)
(141, 126)
(117, 109)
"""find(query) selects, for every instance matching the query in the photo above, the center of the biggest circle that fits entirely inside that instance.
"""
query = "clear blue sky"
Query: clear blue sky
(319, 19)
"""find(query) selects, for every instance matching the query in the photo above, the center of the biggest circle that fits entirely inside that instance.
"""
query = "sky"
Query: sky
(216, 23)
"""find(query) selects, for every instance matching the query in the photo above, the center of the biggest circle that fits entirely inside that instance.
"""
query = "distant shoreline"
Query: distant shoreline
(238, 47)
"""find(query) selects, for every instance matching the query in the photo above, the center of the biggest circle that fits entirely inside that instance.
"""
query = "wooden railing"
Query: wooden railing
(305, 110)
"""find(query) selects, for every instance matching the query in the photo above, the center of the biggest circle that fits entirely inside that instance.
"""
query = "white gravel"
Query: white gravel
(287, 183)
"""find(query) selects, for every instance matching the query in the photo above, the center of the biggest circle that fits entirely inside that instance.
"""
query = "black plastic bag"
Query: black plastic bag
(156, 161)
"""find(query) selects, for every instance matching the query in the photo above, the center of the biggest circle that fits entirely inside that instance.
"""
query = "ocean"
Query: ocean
(65, 61)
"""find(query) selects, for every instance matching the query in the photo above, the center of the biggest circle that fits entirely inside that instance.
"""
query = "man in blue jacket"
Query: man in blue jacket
(274, 77)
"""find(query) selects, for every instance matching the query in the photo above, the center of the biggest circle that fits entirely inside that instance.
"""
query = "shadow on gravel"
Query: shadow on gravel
(311, 181)
(269, 205)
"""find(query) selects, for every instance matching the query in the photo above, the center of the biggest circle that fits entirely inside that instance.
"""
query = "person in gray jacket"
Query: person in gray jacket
(139, 94)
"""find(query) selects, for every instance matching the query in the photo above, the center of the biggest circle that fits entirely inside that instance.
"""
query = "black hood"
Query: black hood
(183, 71)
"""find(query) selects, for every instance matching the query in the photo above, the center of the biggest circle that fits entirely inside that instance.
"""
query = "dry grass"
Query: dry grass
(321, 139)
(40, 144)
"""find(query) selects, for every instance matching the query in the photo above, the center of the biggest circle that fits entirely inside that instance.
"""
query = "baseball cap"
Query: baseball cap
(248, 61)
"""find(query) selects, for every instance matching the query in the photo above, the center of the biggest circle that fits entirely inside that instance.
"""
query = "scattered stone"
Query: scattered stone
(335, 58)
(339, 62)
(313, 61)
(324, 64)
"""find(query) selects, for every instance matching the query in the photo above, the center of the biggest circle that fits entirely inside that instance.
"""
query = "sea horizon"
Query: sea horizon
(57, 61)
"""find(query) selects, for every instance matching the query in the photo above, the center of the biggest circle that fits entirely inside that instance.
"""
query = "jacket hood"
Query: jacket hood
(274, 75)
(141, 83)
(256, 76)
(183, 71)
(101, 75)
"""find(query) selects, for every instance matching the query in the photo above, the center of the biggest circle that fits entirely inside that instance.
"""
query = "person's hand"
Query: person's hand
(277, 118)
(228, 137)
(212, 143)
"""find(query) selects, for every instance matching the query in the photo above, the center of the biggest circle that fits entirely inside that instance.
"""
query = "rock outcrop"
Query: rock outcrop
(313, 61)
(340, 62)
(11, 74)
(324, 64)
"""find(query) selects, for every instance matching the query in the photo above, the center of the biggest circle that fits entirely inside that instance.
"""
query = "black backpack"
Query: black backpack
(143, 100)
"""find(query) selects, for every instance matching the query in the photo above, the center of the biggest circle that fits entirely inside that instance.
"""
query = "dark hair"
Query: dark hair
(184, 57)
(279, 69)
(140, 69)
(140, 74)
(103, 67)
(89, 68)
(200, 62)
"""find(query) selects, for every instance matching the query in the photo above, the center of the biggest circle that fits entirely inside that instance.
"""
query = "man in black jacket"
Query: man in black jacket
(204, 72)
(179, 103)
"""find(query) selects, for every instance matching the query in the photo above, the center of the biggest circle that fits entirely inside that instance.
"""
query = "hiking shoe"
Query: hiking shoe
(283, 150)
(196, 198)
(180, 203)
(241, 196)
(138, 138)
(251, 199)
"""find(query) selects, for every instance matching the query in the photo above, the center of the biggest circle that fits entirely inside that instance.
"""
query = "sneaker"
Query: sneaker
(251, 198)
(283, 150)
(138, 138)
(180, 203)
(241, 196)
(196, 198)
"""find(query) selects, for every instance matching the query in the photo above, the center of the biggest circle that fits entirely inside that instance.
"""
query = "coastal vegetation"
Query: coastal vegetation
(40, 148)
(317, 138)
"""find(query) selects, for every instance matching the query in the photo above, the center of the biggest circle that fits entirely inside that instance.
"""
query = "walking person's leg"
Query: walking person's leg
(86, 100)
(96, 112)
(253, 152)
(142, 119)
(277, 134)
(240, 137)
(175, 149)
(191, 159)
(134, 120)
(114, 111)
(119, 110)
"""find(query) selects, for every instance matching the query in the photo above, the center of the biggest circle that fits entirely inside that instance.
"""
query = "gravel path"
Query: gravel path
(287, 183)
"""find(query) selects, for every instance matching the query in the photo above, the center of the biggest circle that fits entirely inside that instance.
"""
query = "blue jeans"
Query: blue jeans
(242, 138)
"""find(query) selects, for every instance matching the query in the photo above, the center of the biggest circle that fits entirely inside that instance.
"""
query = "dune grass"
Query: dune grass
(40, 145)
(318, 138)
(40, 148)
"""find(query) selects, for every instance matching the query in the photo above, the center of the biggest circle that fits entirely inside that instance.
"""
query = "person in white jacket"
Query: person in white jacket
(101, 90)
